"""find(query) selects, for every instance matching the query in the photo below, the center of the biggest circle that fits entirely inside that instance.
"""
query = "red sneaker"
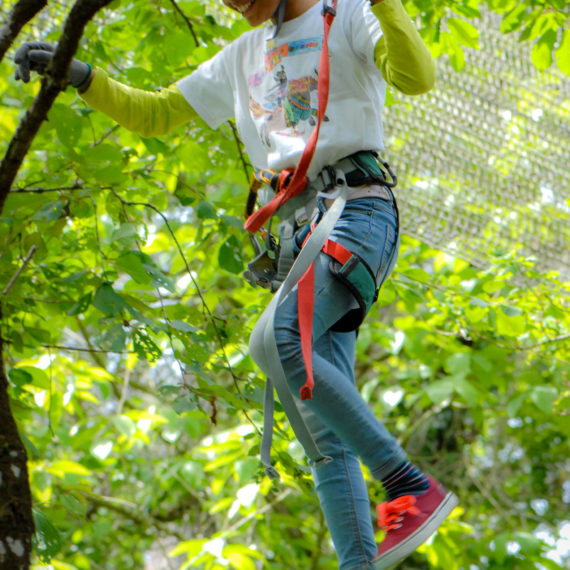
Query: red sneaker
(410, 520)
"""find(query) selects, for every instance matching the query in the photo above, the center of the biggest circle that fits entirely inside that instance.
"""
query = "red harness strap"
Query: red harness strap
(291, 186)
(305, 305)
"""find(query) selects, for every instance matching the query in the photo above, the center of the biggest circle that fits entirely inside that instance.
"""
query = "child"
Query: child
(271, 81)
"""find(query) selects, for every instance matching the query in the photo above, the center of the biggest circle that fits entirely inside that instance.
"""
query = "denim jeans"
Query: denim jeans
(340, 421)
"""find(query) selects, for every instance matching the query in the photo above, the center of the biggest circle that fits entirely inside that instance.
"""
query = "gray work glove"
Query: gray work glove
(35, 56)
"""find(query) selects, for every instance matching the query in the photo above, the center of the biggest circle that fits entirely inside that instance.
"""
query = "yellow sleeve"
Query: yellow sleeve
(400, 54)
(148, 113)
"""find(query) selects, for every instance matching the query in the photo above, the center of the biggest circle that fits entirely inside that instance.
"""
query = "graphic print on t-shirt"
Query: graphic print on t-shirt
(280, 100)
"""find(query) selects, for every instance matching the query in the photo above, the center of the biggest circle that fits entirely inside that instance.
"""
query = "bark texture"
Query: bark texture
(16, 520)
(22, 12)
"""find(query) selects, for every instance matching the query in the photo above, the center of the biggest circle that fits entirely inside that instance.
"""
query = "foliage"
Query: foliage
(127, 337)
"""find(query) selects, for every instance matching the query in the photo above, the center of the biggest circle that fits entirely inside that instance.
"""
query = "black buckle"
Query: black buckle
(328, 9)
(331, 173)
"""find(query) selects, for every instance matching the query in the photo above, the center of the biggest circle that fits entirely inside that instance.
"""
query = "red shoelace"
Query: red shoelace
(391, 513)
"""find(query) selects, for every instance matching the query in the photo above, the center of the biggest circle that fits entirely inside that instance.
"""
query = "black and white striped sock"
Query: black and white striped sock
(407, 479)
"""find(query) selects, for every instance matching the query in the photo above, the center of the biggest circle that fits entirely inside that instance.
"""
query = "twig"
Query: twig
(86, 349)
(97, 236)
(200, 294)
(44, 190)
(258, 512)
(239, 145)
(187, 20)
(124, 390)
(33, 250)
(107, 134)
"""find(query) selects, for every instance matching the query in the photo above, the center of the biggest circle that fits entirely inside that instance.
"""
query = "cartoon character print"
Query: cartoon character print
(285, 103)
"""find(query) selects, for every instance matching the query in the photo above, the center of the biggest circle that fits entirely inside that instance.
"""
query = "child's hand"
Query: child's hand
(36, 56)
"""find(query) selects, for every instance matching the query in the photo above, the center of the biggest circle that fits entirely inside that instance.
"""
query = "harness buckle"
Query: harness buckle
(261, 271)
(328, 178)
(328, 9)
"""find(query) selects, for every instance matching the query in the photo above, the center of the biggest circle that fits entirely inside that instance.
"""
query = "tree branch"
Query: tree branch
(22, 12)
(187, 20)
(33, 250)
(44, 190)
(239, 145)
(54, 82)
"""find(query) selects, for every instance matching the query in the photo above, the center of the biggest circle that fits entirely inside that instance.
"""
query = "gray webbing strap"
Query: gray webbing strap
(264, 333)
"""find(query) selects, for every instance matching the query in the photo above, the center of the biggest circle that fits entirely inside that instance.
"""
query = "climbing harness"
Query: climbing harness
(309, 211)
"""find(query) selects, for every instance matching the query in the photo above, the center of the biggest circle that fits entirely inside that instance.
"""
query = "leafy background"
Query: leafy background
(126, 334)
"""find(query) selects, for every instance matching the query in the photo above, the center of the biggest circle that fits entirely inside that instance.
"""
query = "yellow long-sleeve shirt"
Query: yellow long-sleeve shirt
(400, 54)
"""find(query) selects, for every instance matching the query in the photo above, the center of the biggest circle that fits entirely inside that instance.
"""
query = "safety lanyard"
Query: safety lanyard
(293, 182)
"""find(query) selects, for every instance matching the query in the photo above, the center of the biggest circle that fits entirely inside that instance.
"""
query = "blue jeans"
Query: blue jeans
(340, 421)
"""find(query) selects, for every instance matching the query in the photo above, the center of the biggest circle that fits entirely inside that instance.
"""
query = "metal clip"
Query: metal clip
(328, 9)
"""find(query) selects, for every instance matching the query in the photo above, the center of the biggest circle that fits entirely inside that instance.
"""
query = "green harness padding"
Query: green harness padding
(355, 274)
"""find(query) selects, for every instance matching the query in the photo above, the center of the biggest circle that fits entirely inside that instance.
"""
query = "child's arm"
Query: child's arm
(148, 113)
(400, 53)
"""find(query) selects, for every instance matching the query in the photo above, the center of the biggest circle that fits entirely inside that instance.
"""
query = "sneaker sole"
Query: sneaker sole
(416, 539)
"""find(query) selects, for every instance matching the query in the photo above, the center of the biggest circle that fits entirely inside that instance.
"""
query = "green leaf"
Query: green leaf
(185, 402)
(73, 504)
(230, 256)
(238, 560)
(464, 32)
(544, 397)
(124, 232)
(541, 54)
(417, 274)
(514, 405)
(132, 264)
(40, 379)
(440, 390)
(47, 539)
(183, 326)
(68, 125)
(514, 19)
(125, 425)
(108, 301)
(459, 363)
(19, 376)
(49, 212)
(466, 390)
(158, 278)
(456, 56)
(501, 541)
(511, 311)
(509, 326)
(81, 306)
(145, 347)
(529, 543)
(205, 210)
(192, 472)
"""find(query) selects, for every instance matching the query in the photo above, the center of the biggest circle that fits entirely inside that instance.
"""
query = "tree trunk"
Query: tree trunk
(16, 519)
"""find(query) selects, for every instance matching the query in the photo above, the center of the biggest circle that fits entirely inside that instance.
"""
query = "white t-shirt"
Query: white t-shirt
(270, 88)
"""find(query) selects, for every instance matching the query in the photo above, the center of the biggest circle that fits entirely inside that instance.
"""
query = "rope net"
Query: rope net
(483, 159)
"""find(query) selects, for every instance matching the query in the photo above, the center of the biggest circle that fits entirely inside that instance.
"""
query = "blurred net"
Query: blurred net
(483, 160)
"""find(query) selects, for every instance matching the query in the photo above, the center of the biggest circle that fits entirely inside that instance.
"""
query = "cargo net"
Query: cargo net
(483, 160)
